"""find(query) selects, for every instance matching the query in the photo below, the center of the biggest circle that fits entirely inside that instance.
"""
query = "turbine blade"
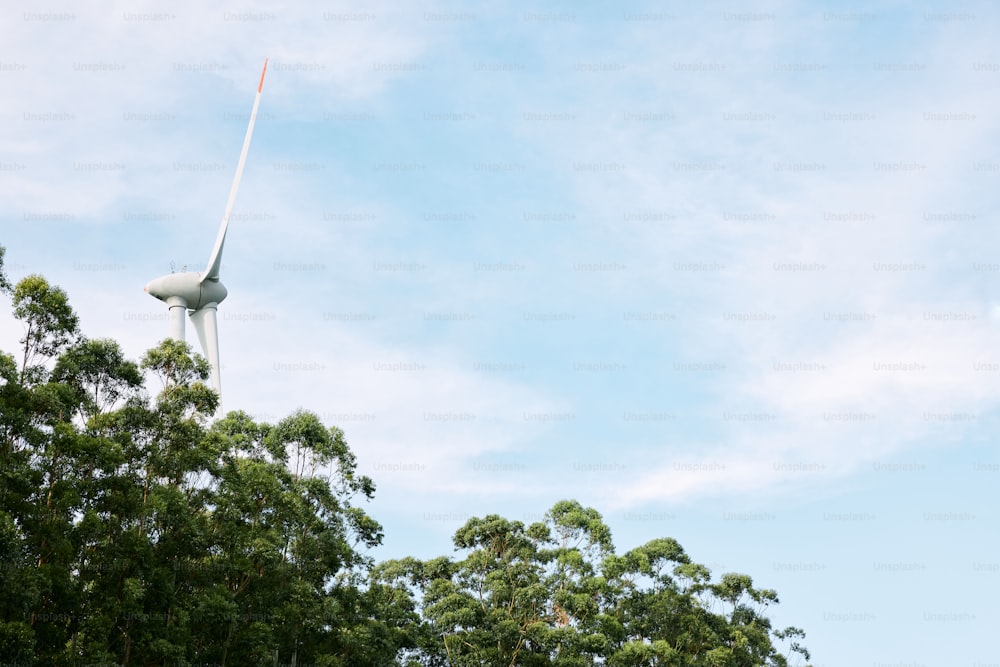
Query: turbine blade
(206, 324)
(214, 262)
(198, 320)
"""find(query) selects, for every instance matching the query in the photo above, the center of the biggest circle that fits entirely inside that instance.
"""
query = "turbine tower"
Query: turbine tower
(199, 294)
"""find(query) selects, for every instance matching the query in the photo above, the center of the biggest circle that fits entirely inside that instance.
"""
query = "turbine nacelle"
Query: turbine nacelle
(188, 287)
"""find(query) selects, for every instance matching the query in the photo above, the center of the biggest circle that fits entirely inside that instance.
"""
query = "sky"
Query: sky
(725, 272)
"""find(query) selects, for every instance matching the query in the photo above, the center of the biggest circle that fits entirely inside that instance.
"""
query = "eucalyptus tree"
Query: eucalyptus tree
(137, 530)
(50, 324)
(134, 530)
(556, 593)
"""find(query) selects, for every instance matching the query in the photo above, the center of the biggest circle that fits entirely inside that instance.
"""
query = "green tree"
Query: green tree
(135, 529)
(49, 321)
(99, 374)
(5, 286)
(138, 531)
(555, 593)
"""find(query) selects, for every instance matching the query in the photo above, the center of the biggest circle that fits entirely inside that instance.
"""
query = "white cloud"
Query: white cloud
(827, 207)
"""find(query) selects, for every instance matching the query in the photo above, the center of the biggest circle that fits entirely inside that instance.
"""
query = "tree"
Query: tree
(98, 371)
(135, 529)
(49, 321)
(555, 593)
(5, 286)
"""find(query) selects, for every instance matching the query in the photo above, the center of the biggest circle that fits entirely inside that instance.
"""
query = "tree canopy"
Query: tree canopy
(137, 530)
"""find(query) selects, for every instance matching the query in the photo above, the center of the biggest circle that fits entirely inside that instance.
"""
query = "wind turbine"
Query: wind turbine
(200, 293)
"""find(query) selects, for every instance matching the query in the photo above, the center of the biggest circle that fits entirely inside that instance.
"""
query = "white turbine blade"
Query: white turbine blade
(206, 324)
(212, 270)
(198, 320)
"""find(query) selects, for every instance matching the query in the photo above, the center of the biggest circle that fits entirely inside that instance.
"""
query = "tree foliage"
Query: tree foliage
(5, 286)
(49, 323)
(137, 530)
(556, 593)
(134, 530)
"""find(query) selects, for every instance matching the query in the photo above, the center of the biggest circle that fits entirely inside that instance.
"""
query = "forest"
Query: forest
(136, 529)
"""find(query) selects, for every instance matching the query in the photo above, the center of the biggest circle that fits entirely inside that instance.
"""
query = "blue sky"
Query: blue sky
(726, 273)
